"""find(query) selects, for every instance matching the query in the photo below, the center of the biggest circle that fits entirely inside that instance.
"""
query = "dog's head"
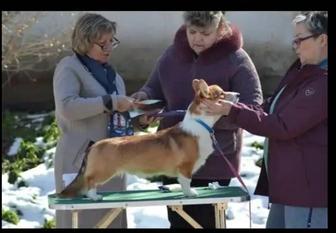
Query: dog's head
(212, 92)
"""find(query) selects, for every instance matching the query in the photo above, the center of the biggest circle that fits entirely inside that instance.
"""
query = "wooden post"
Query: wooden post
(220, 214)
(74, 214)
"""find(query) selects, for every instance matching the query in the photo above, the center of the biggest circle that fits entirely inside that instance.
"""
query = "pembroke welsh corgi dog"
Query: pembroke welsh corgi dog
(178, 151)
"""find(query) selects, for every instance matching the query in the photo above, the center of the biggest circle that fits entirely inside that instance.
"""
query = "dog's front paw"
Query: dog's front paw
(191, 193)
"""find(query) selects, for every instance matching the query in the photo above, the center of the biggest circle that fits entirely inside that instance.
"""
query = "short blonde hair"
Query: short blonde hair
(88, 29)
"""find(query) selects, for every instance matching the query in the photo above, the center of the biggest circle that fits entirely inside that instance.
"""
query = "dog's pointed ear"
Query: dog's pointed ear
(195, 85)
(204, 88)
(202, 84)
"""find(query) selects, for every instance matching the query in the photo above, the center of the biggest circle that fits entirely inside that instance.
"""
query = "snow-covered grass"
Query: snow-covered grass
(32, 201)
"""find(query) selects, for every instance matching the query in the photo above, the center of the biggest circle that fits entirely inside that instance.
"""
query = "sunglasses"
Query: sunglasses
(296, 42)
(109, 46)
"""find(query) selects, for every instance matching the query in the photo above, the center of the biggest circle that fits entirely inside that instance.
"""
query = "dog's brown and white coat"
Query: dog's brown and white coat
(178, 151)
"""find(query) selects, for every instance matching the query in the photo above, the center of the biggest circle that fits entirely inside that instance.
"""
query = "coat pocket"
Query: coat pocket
(77, 162)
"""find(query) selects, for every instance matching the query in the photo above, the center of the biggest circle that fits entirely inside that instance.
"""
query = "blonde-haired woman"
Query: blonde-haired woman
(88, 94)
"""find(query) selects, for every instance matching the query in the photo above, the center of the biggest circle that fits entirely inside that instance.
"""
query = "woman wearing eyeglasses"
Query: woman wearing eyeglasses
(295, 123)
(90, 105)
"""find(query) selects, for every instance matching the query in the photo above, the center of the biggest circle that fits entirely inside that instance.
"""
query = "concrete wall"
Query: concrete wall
(267, 39)
(144, 35)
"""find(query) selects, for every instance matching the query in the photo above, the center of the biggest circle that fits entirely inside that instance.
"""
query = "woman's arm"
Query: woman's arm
(299, 115)
(246, 82)
(70, 104)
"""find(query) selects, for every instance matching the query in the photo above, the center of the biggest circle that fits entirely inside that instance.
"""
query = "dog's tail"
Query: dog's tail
(78, 185)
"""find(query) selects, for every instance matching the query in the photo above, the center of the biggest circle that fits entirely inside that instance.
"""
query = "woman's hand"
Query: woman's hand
(145, 120)
(140, 95)
(221, 107)
(124, 103)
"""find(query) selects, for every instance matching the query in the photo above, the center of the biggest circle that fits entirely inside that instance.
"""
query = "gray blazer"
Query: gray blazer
(79, 111)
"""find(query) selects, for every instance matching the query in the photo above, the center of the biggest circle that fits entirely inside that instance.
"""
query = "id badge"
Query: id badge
(120, 125)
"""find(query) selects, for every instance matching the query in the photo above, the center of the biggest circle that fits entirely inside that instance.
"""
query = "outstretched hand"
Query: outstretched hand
(140, 95)
(144, 120)
(124, 103)
(147, 120)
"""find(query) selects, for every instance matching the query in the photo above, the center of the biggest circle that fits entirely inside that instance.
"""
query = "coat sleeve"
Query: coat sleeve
(153, 86)
(246, 82)
(120, 85)
(70, 104)
(302, 113)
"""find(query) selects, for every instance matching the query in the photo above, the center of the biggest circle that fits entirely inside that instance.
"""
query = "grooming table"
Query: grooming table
(116, 201)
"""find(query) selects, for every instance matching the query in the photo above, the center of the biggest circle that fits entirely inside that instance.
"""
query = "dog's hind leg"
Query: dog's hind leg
(92, 190)
(92, 194)
(94, 179)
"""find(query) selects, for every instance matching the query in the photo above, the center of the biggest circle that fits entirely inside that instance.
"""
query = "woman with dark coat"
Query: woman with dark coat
(208, 47)
(295, 123)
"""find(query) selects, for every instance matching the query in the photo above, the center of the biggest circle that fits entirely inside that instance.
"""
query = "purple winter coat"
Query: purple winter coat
(298, 138)
(225, 64)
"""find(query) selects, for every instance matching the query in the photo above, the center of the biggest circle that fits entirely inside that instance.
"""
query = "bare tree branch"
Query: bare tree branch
(23, 49)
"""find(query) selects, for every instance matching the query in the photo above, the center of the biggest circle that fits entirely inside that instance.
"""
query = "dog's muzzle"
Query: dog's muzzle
(232, 96)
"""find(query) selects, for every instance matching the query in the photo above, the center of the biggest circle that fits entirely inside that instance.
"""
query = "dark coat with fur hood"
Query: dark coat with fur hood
(225, 64)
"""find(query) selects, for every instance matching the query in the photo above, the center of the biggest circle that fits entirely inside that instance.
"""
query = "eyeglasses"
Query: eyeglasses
(109, 46)
(296, 42)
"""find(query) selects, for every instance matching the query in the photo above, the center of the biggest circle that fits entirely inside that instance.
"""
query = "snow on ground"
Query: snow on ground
(14, 147)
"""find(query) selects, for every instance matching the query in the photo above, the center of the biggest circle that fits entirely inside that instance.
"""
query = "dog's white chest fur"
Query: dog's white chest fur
(203, 137)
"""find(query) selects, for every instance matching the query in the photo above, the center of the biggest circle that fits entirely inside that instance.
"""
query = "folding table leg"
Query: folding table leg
(220, 214)
(187, 217)
(74, 214)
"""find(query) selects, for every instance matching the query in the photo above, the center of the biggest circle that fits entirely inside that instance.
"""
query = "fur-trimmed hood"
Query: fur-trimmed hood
(222, 48)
